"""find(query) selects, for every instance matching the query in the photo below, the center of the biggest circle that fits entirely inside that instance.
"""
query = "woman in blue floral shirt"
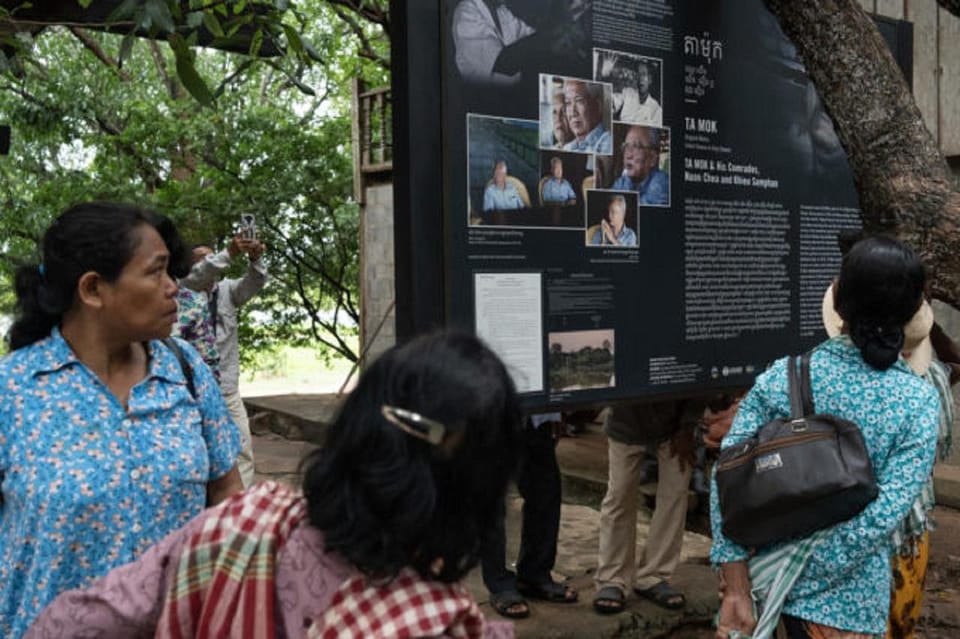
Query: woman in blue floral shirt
(842, 590)
(103, 448)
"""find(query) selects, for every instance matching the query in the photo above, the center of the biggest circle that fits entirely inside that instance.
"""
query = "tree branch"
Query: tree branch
(366, 10)
(28, 96)
(366, 49)
(94, 47)
(171, 82)
(903, 181)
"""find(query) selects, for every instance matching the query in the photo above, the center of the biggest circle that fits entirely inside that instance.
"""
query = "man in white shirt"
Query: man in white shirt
(637, 106)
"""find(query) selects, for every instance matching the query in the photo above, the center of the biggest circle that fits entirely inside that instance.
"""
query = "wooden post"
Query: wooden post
(357, 128)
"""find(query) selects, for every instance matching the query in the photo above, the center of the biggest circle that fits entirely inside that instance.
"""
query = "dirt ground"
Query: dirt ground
(940, 617)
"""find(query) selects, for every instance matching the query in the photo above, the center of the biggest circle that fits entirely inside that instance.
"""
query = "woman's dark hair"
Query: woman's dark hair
(97, 236)
(385, 499)
(880, 288)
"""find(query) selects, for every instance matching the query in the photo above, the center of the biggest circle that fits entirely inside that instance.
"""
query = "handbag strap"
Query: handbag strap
(795, 387)
(806, 390)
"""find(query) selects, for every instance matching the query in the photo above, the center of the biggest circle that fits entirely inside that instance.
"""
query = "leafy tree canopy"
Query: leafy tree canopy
(106, 116)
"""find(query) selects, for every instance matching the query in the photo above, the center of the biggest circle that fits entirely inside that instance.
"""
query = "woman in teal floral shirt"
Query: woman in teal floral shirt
(103, 448)
(843, 590)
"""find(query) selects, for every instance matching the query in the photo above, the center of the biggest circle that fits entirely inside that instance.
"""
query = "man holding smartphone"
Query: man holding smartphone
(225, 298)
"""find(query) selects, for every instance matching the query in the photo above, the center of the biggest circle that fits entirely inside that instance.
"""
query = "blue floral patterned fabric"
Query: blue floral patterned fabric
(195, 325)
(846, 582)
(87, 485)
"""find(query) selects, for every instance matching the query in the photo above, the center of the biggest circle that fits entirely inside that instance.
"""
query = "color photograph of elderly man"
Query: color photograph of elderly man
(586, 105)
(612, 219)
(642, 163)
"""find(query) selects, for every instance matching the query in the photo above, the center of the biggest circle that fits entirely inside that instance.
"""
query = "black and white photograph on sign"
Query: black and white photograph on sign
(505, 177)
(586, 111)
(637, 85)
(566, 177)
(499, 43)
(611, 219)
(641, 164)
(580, 360)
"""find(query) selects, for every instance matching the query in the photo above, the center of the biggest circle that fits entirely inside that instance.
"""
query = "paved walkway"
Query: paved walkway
(583, 462)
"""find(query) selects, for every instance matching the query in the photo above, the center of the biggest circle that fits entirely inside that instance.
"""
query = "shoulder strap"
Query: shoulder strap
(806, 391)
(793, 383)
(171, 343)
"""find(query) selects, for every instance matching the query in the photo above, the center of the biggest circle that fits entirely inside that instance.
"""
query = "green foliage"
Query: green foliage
(586, 368)
(87, 128)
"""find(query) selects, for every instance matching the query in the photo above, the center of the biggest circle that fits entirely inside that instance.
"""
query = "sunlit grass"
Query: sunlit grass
(293, 370)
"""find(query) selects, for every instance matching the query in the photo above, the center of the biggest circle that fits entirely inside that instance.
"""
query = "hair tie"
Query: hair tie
(42, 269)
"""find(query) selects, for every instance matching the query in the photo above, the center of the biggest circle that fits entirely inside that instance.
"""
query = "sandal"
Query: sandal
(663, 594)
(548, 591)
(609, 600)
(509, 604)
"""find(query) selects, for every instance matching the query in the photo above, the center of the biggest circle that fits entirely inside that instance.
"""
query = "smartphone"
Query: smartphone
(248, 226)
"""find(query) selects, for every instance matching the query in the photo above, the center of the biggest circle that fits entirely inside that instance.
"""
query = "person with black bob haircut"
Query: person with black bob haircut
(390, 519)
(104, 447)
(836, 582)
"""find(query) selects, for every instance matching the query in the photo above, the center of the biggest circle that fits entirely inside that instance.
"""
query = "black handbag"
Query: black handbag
(798, 474)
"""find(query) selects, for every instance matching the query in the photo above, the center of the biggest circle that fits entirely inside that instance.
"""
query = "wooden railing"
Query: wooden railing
(372, 134)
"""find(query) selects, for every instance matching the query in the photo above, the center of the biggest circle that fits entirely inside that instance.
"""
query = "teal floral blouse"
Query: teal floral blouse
(846, 582)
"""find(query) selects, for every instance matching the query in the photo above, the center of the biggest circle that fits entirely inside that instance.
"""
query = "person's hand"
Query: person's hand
(235, 247)
(608, 231)
(608, 60)
(736, 604)
(256, 250)
(240, 244)
(736, 615)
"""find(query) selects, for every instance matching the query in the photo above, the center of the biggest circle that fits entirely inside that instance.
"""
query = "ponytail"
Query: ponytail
(38, 308)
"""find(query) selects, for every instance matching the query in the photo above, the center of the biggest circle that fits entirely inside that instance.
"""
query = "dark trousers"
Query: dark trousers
(538, 481)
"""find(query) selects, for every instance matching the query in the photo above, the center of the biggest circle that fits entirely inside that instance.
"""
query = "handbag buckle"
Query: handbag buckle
(798, 425)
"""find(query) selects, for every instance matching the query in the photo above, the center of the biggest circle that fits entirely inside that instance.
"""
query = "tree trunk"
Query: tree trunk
(905, 186)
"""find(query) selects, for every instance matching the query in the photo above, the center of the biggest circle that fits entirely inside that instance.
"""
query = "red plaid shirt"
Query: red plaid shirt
(224, 586)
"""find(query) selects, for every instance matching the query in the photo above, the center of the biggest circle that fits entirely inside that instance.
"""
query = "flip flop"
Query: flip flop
(509, 604)
(664, 595)
(609, 600)
(548, 591)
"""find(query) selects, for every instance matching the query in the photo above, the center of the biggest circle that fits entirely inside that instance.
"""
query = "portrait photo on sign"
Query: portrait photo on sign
(641, 164)
(579, 360)
(564, 179)
(611, 219)
(506, 182)
(637, 89)
(575, 114)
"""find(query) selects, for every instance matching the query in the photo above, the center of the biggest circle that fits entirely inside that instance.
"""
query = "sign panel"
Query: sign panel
(640, 197)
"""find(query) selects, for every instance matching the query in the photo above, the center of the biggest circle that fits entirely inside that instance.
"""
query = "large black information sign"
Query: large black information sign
(640, 197)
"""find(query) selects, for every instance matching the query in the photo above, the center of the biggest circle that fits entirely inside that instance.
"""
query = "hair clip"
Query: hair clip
(414, 424)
